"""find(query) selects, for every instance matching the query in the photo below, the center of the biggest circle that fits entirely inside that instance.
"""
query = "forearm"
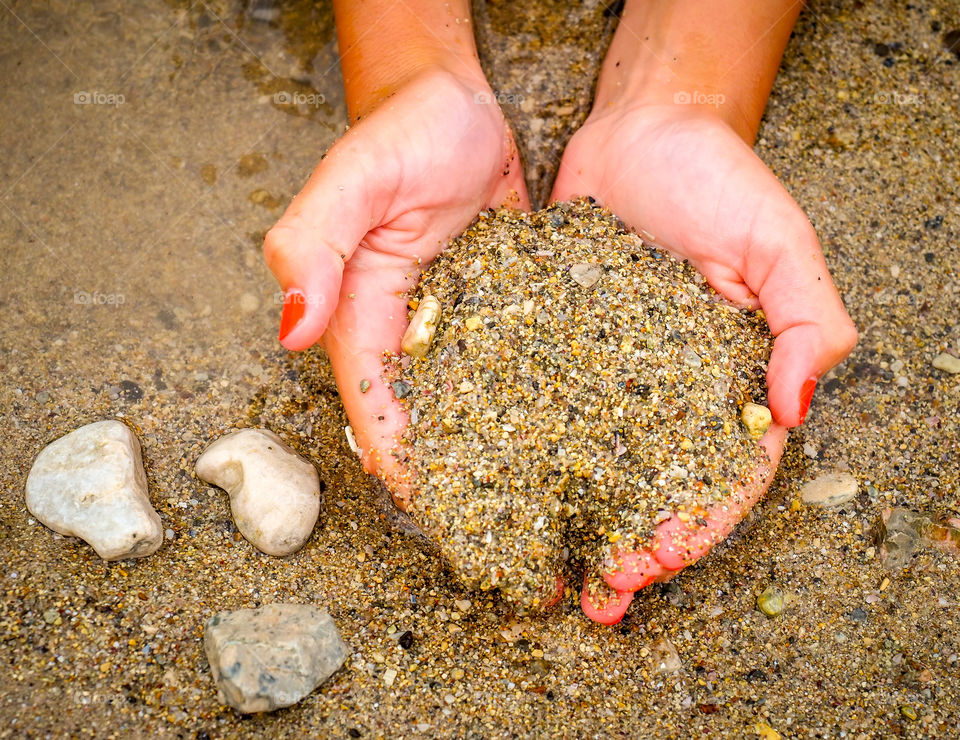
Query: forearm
(717, 54)
(384, 42)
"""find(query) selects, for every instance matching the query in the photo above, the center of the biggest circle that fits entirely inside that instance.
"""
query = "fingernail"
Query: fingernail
(293, 308)
(806, 395)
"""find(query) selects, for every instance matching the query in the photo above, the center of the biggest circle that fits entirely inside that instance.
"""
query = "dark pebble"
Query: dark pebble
(929, 257)
(353, 732)
(406, 640)
(936, 26)
(400, 389)
(858, 615)
(708, 708)
(933, 223)
(756, 675)
(951, 41)
(888, 62)
(203, 735)
(130, 390)
(881, 50)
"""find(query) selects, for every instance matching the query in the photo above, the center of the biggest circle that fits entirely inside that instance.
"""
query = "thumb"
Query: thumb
(813, 331)
(319, 232)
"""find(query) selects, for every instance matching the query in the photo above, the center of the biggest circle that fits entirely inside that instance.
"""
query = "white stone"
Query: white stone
(946, 362)
(664, 656)
(90, 484)
(831, 489)
(274, 493)
(586, 274)
(267, 658)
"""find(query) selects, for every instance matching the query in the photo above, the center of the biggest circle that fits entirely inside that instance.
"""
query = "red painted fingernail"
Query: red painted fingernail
(293, 308)
(806, 395)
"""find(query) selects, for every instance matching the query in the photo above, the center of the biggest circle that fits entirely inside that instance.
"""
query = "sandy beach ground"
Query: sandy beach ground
(147, 148)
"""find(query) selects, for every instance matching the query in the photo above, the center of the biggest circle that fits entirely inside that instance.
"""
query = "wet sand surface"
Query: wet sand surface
(132, 287)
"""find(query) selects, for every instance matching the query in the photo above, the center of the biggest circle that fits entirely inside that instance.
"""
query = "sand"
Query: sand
(145, 200)
(580, 387)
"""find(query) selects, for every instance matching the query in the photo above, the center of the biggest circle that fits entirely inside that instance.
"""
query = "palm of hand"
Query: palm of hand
(699, 191)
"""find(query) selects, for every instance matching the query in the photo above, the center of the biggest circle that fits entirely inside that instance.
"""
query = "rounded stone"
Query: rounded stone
(91, 484)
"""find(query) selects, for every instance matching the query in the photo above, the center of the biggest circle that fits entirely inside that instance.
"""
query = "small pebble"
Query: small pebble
(586, 274)
(419, 334)
(770, 601)
(249, 303)
(909, 712)
(364, 385)
(274, 493)
(400, 389)
(756, 419)
(829, 490)
(389, 676)
(947, 362)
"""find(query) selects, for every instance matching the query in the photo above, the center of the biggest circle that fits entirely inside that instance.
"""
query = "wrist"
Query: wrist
(716, 59)
(383, 44)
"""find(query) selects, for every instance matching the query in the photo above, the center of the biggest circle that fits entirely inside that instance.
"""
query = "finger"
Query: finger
(812, 330)
(369, 321)
(306, 250)
(679, 542)
(606, 608)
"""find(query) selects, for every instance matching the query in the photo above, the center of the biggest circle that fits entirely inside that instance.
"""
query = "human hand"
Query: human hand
(691, 183)
(380, 206)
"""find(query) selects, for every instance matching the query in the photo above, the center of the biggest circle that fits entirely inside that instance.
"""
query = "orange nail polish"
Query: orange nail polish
(806, 395)
(293, 309)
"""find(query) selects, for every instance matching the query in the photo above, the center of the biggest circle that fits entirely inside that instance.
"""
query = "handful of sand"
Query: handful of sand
(577, 387)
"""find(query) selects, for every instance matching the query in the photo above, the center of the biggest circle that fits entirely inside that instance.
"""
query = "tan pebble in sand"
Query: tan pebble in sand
(756, 419)
(419, 334)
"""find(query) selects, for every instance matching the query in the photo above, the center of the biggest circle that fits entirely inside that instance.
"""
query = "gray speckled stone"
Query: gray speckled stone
(90, 484)
(268, 658)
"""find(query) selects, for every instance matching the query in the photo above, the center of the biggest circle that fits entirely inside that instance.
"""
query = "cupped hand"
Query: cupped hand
(686, 180)
(689, 181)
(382, 203)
